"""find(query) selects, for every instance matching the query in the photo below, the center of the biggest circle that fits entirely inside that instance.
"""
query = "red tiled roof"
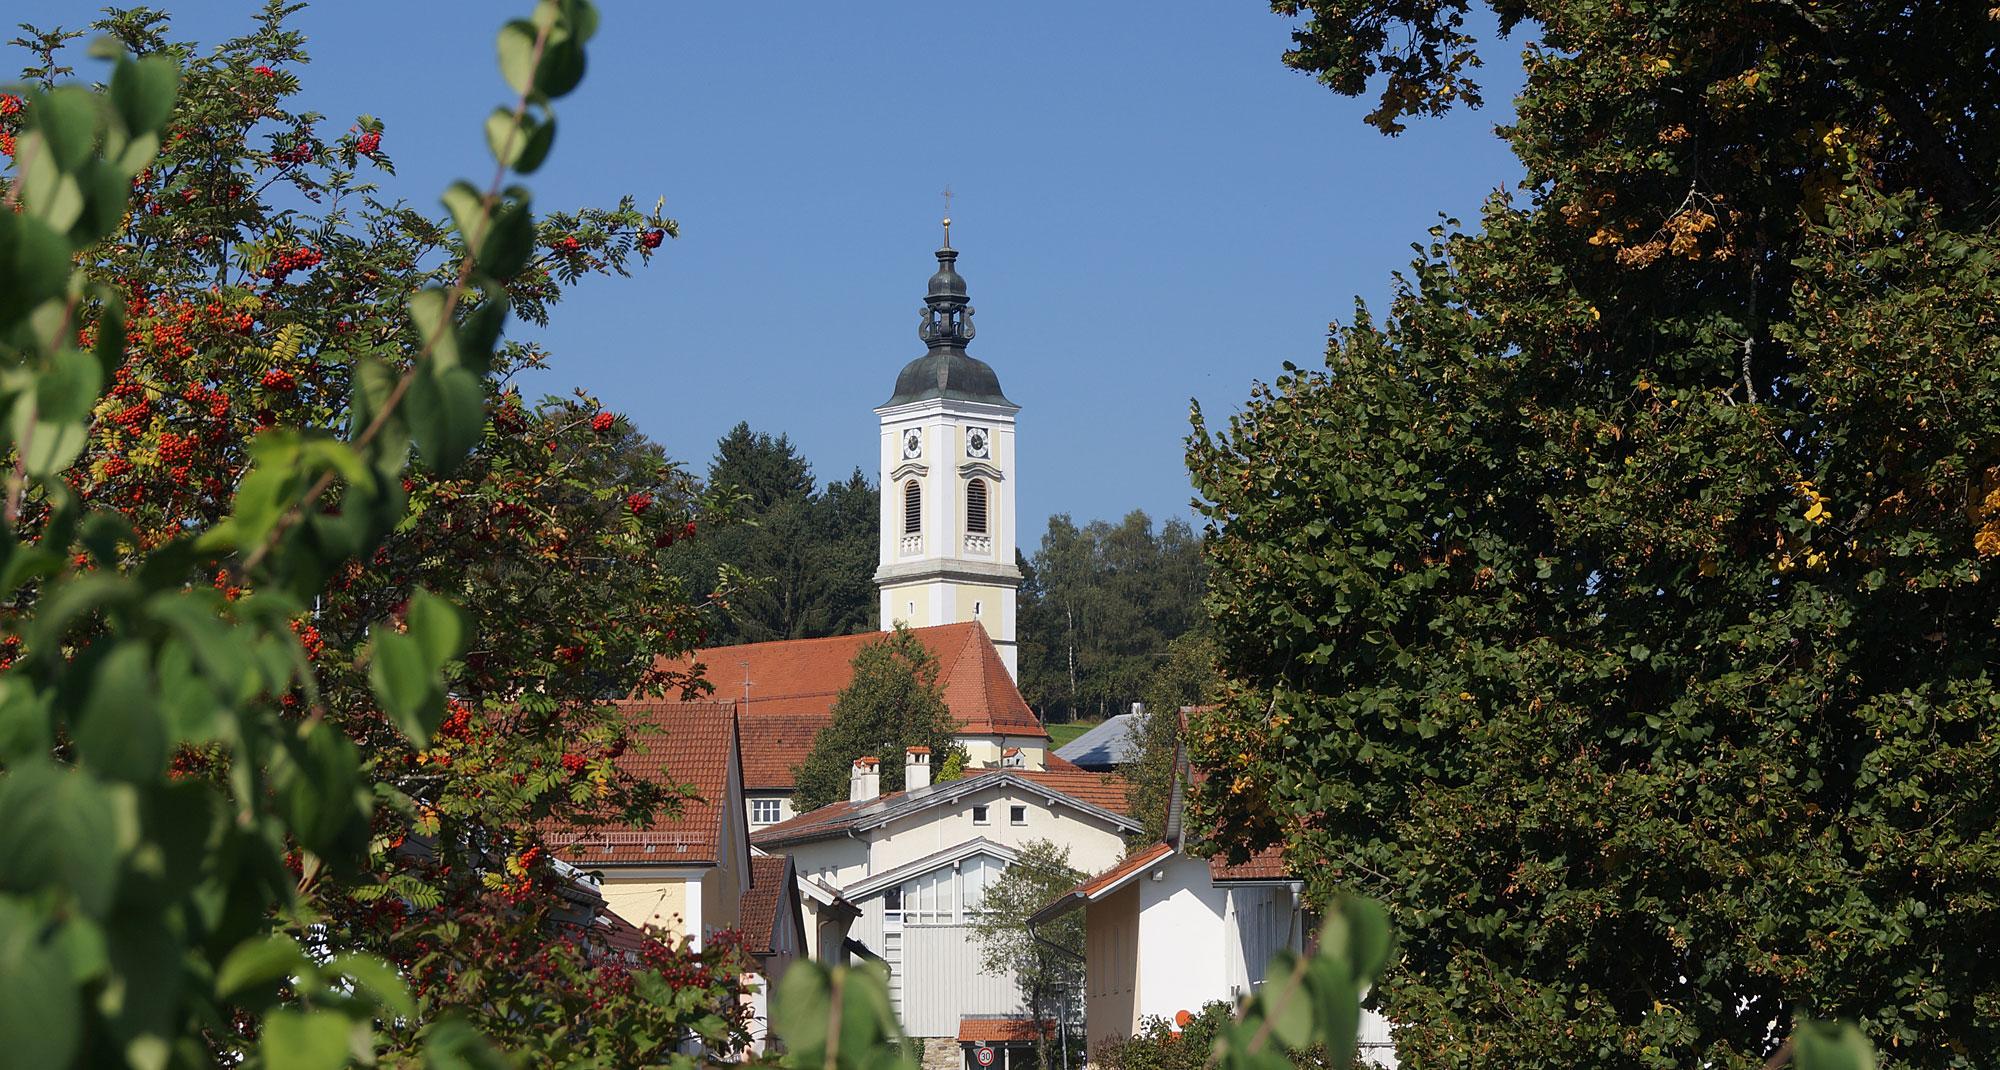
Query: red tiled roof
(757, 910)
(779, 736)
(694, 749)
(1124, 869)
(793, 684)
(784, 673)
(832, 816)
(976, 685)
(1103, 790)
(1266, 865)
(1003, 1030)
(1059, 764)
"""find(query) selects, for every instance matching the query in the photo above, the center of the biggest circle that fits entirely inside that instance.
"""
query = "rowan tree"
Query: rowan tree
(268, 296)
(1621, 608)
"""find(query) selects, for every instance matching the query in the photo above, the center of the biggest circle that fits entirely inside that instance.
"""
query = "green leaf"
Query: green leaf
(521, 149)
(59, 829)
(50, 422)
(407, 687)
(426, 309)
(451, 1044)
(121, 736)
(259, 963)
(34, 266)
(143, 93)
(67, 119)
(480, 333)
(1831, 1046)
(439, 627)
(516, 46)
(41, 1020)
(379, 980)
(295, 1040)
(447, 415)
(510, 237)
(468, 212)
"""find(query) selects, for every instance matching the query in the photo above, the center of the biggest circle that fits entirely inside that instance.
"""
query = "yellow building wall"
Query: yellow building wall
(649, 901)
(899, 601)
(1111, 965)
(989, 600)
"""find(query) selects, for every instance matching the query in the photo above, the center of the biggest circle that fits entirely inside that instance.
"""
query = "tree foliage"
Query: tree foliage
(1621, 610)
(266, 787)
(1046, 961)
(1098, 606)
(801, 564)
(893, 702)
(1187, 680)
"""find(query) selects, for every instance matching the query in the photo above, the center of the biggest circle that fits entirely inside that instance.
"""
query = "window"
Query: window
(913, 508)
(766, 811)
(976, 607)
(931, 899)
(1017, 815)
(979, 815)
(975, 507)
(976, 875)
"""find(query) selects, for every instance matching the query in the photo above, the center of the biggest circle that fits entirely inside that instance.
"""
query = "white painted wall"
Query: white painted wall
(1093, 845)
(1184, 953)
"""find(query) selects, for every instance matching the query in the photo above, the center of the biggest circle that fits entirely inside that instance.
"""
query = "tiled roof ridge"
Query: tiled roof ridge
(841, 814)
(849, 637)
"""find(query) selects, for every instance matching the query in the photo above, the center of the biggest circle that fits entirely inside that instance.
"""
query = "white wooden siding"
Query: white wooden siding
(944, 982)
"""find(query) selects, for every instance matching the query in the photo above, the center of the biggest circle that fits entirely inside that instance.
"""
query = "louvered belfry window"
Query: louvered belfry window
(913, 508)
(975, 507)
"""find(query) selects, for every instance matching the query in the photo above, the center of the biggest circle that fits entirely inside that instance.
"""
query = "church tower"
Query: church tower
(948, 479)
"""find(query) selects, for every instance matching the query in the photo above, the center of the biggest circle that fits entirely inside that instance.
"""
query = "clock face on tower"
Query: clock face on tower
(913, 443)
(975, 442)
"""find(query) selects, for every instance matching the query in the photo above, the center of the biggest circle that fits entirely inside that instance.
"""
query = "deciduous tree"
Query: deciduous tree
(893, 702)
(1621, 610)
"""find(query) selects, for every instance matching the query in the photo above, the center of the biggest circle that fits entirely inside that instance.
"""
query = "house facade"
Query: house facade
(917, 863)
(773, 927)
(687, 872)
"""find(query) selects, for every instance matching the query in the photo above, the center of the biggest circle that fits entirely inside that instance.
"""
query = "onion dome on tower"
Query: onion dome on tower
(946, 326)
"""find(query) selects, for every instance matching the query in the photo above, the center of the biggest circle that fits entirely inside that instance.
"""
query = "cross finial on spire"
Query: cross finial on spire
(947, 215)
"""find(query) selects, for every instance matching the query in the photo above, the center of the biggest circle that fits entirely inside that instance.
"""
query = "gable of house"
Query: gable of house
(685, 871)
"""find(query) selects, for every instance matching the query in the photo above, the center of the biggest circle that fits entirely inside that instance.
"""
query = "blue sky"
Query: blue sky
(1149, 207)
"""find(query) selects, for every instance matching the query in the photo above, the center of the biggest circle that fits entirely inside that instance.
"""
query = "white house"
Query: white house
(1166, 932)
(917, 864)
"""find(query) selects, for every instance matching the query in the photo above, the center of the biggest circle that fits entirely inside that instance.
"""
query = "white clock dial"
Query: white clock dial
(975, 442)
(913, 443)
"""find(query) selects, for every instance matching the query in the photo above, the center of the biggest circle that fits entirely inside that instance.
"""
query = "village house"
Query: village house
(687, 871)
(1167, 933)
(917, 863)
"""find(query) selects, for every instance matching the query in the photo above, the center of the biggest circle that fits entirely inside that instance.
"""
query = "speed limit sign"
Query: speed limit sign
(984, 1055)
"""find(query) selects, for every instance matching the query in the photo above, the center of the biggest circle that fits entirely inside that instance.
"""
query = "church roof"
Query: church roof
(947, 374)
(794, 682)
(946, 328)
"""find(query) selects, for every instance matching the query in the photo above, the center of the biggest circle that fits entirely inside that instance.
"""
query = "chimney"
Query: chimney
(865, 782)
(917, 769)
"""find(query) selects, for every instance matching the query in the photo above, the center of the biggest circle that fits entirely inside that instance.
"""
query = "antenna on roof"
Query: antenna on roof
(746, 685)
